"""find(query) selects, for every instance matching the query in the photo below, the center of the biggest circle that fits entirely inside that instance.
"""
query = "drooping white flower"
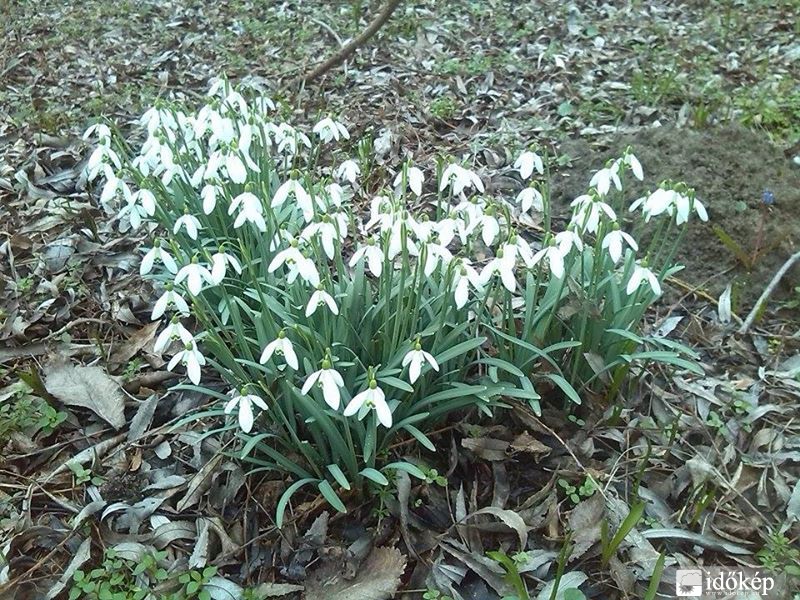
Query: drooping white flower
(192, 359)
(374, 399)
(373, 254)
(329, 130)
(113, 186)
(526, 162)
(328, 232)
(195, 274)
(282, 346)
(614, 241)
(348, 171)
(319, 297)
(530, 198)
(414, 177)
(635, 165)
(329, 380)
(251, 211)
(188, 222)
(174, 331)
(298, 265)
(435, 254)
(459, 178)
(245, 403)
(683, 207)
(302, 197)
(169, 298)
(100, 130)
(157, 252)
(102, 159)
(554, 258)
(209, 194)
(219, 264)
(603, 179)
(503, 265)
(490, 226)
(235, 168)
(567, 240)
(415, 359)
(587, 212)
(245, 141)
(642, 274)
(464, 275)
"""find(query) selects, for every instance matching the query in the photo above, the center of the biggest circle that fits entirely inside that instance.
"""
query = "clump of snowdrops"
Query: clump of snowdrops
(339, 330)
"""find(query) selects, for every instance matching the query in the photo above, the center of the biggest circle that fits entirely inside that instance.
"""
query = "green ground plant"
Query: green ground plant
(339, 330)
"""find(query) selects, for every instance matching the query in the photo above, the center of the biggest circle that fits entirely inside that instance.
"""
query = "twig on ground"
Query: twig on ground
(353, 45)
(768, 292)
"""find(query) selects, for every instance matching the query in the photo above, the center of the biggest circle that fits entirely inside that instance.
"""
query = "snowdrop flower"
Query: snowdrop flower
(634, 164)
(219, 264)
(415, 179)
(460, 178)
(293, 186)
(281, 346)
(587, 212)
(526, 162)
(436, 253)
(328, 130)
(373, 398)
(683, 206)
(503, 265)
(348, 171)
(235, 168)
(328, 233)
(518, 246)
(135, 212)
(245, 403)
(465, 274)
(554, 258)
(642, 274)
(614, 240)
(209, 195)
(113, 185)
(416, 358)
(194, 274)
(335, 193)
(567, 240)
(297, 263)
(530, 198)
(329, 380)
(173, 331)
(169, 298)
(146, 199)
(101, 160)
(192, 359)
(243, 145)
(189, 222)
(100, 130)
(603, 179)
(490, 226)
(660, 201)
(251, 211)
(157, 252)
(380, 213)
(373, 254)
(318, 298)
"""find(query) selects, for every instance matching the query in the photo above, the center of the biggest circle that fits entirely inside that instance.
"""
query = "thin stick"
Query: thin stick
(347, 50)
(768, 292)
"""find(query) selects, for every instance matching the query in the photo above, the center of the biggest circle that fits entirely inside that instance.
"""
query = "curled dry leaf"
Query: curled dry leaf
(89, 387)
(378, 579)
